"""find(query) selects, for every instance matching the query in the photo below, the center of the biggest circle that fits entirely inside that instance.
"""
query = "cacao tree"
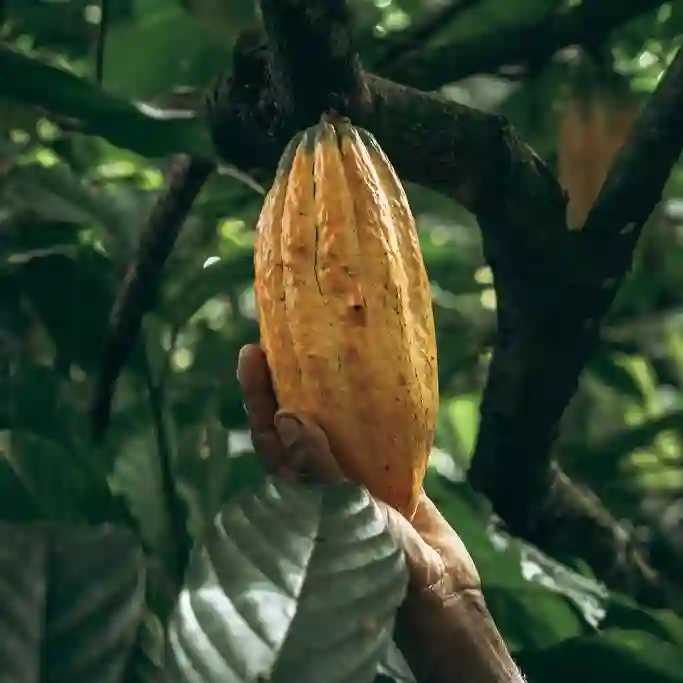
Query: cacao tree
(138, 139)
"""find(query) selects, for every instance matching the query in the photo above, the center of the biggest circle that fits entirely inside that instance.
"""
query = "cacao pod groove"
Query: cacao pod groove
(345, 309)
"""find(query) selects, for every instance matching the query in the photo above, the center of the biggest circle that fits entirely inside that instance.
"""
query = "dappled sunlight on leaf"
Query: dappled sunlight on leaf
(292, 582)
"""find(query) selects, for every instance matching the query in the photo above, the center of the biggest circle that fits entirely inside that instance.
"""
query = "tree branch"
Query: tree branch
(314, 65)
(634, 185)
(137, 295)
(584, 23)
(484, 53)
(547, 309)
(470, 155)
(548, 328)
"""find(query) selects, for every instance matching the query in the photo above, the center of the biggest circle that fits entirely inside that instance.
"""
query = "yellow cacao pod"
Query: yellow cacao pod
(591, 134)
(345, 308)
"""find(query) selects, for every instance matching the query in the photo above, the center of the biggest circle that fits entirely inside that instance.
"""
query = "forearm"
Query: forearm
(449, 636)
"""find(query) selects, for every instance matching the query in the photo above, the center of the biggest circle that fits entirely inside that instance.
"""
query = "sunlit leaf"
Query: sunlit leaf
(293, 583)
(616, 375)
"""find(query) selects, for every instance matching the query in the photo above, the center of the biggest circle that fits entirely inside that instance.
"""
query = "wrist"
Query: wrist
(448, 635)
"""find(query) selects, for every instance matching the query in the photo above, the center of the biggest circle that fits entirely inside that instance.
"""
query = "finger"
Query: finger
(425, 565)
(307, 449)
(440, 535)
(260, 403)
(257, 389)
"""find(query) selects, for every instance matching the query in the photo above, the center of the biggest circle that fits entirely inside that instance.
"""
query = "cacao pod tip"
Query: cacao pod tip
(334, 118)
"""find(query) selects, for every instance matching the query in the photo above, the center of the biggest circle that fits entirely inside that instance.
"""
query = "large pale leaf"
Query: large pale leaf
(394, 667)
(292, 584)
(70, 603)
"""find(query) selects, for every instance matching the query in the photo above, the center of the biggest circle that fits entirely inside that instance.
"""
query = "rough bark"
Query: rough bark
(546, 335)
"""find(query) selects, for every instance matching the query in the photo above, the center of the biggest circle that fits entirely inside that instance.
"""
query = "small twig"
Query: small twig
(175, 506)
(101, 41)
(137, 294)
(528, 43)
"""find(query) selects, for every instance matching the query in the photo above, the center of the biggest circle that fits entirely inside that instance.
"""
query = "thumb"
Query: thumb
(425, 564)
(307, 449)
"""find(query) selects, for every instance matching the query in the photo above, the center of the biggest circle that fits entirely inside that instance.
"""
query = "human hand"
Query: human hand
(444, 628)
(293, 446)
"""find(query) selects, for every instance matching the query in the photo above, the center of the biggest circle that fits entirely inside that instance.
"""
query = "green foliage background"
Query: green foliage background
(80, 167)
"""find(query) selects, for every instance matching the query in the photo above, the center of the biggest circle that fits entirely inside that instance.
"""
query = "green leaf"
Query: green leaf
(28, 236)
(137, 478)
(221, 277)
(615, 375)
(34, 404)
(58, 194)
(535, 600)
(202, 476)
(72, 296)
(246, 472)
(533, 616)
(623, 613)
(292, 583)
(626, 656)
(65, 95)
(50, 475)
(146, 662)
(16, 504)
(71, 603)
(613, 448)
(142, 62)
(229, 402)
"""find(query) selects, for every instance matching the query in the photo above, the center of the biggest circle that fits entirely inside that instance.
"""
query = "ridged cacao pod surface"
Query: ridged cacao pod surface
(345, 308)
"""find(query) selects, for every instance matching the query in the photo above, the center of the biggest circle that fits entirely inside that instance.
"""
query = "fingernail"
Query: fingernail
(289, 429)
(240, 362)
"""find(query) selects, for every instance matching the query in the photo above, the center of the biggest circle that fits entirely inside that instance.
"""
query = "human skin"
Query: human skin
(444, 628)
